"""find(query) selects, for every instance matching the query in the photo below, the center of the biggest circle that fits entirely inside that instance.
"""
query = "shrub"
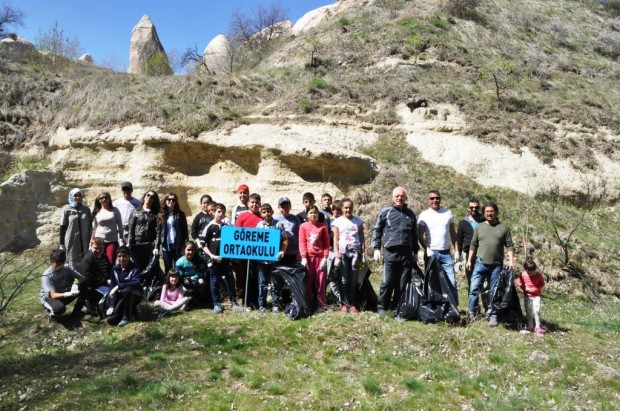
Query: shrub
(608, 43)
(343, 21)
(307, 106)
(316, 83)
(465, 9)
(158, 65)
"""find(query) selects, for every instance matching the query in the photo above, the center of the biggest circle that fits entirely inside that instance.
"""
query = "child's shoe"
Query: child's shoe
(343, 308)
(124, 322)
(261, 310)
(540, 332)
(353, 310)
(217, 309)
(275, 309)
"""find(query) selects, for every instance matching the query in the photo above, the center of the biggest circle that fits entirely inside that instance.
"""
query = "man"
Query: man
(291, 225)
(126, 205)
(396, 228)
(465, 231)
(487, 246)
(436, 233)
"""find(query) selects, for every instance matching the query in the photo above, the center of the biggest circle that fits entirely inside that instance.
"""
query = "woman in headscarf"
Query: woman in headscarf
(75, 227)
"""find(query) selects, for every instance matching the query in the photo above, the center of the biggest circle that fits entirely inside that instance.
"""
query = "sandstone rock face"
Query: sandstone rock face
(28, 215)
(274, 161)
(86, 58)
(312, 18)
(144, 45)
(437, 132)
(216, 55)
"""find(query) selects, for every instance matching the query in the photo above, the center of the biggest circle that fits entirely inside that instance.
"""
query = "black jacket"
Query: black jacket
(143, 228)
(397, 228)
(465, 232)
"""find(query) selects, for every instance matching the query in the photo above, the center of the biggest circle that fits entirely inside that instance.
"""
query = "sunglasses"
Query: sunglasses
(434, 198)
(104, 198)
(474, 208)
(171, 199)
(149, 195)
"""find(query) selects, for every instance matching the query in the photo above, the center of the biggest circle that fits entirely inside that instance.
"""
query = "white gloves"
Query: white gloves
(67, 294)
(114, 290)
(376, 255)
(61, 247)
(217, 258)
(155, 251)
(429, 252)
(280, 255)
(75, 289)
(337, 261)
(324, 264)
(304, 262)
(109, 311)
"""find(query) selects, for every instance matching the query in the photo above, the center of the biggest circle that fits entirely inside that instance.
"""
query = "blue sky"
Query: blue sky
(103, 27)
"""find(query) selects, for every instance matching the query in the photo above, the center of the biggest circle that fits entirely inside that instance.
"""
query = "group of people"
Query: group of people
(116, 246)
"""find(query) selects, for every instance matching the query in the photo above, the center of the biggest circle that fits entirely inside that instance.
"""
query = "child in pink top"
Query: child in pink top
(314, 251)
(531, 283)
(172, 297)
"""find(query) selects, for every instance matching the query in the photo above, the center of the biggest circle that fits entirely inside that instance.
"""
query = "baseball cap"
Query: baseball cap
(126, 184)
(284, 200)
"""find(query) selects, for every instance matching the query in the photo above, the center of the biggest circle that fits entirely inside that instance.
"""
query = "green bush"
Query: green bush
(317, 83)
(307, 106)
(158, 65)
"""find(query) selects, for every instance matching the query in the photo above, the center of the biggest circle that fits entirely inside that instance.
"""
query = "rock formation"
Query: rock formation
(312, 18)
(86, 58)
(16, 50)
(216, 55)
(144, 45)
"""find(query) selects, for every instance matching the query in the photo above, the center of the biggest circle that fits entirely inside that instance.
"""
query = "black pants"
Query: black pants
(397, 266)
(57, 306)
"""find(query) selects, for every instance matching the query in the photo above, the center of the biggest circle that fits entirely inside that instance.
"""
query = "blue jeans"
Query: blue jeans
(264, 278)
(490, 272)
(445, 259)
(348, 281)
(219, 270)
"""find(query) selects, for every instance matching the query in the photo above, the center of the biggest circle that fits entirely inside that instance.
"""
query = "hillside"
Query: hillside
(527, 84)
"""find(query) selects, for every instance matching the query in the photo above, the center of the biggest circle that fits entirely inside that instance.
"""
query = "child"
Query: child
(314, 250)
(326, 207)
(126, 289)
(192, 271)
(243, 193)
(202, 219)
(332, 274)
(291, 226)
(59, 285)
(308, 200)
(218, 266)
(172, 296)
(531, 282)
(265, 267)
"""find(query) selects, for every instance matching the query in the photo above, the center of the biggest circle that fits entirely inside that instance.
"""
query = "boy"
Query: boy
(59, 285)
(202, 219)
(326, 206)
(96, 268)
(218, 267)
(308, 200)
(243, 193)
(531, 283)
(291, 225)
(265, 267)
(126, 289)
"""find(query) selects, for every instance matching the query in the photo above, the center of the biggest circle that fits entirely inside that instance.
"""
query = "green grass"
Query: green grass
(269, 362)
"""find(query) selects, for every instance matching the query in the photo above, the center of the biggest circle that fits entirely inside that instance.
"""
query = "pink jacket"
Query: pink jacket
(313, 240)
(531, 285)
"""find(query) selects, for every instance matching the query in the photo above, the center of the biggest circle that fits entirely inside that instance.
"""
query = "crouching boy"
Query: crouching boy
(59, 285)
(126, 292)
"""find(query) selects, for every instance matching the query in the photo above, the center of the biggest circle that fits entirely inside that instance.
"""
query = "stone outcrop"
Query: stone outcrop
(314, 17)
(274, 161)
(144, 45)
(216, 55)
(28, 215)
(17, 50)
(86, 58)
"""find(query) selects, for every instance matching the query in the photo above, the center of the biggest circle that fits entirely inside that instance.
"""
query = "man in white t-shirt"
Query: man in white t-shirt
(126, 204)
(436, 233)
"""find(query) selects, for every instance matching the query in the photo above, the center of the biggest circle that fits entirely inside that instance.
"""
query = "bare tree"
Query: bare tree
(194, 61)
(10, 17)
(57, 44)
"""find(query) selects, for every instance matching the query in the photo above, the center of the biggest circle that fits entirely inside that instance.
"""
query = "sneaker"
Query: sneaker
(493, 321)
(471, 317)
(217, 309)
(353, 310)
(275, 310)
(400, 319)
(381, 312)
(261, 310)
(540, 332)
(123, 322)
(236, 308)
(343, 308)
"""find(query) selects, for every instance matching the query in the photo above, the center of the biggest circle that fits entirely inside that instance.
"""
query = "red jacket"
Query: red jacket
(313, 240)
(531, 285)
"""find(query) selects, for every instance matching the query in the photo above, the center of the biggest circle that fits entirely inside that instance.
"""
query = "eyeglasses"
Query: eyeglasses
(474, 208)
(434, 198)
(171, 199)
(149, 195)
(103, 198)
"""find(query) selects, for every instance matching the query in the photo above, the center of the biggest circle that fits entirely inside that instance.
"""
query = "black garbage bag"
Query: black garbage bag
(367, 296)
(152, 279)
(412, 296)
(504, 298)
(294, 277)
(437, 303)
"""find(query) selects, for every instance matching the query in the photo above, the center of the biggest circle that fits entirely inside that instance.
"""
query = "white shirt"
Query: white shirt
(125, 207)
(436, 227)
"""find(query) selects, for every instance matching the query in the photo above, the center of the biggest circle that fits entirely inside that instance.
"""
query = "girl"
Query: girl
(531, 283)
(107, 224)
(144, 223)
(173, 232)
(348, 253)
(192, 270)
(75, 227)
(172, 296)
(314, 251)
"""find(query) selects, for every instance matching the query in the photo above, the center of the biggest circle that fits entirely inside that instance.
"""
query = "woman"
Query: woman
(348, 253)
(108, 225)
(173, 231)
(75, 227)
(143, 236)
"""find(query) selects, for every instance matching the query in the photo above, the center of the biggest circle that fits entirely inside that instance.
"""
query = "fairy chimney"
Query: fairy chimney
(144, 45)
